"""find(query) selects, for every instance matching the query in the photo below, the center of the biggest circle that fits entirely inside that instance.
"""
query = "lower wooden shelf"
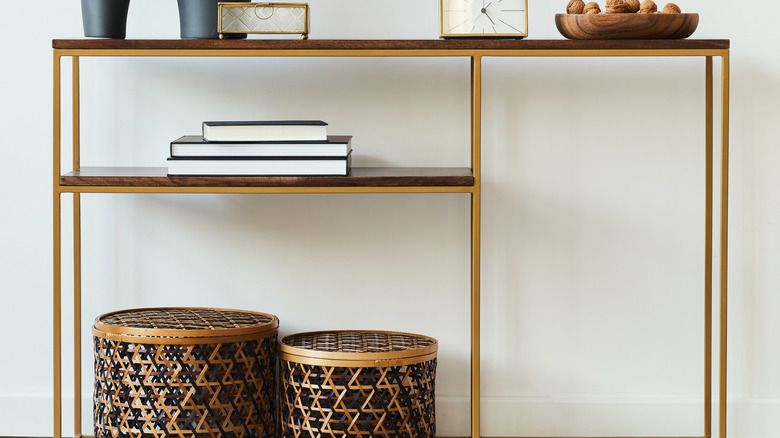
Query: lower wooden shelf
(151, 179)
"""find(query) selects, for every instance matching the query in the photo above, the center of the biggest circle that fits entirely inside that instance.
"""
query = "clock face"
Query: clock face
(484, 18)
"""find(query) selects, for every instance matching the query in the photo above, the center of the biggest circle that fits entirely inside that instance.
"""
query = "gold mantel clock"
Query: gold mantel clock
(483, 18)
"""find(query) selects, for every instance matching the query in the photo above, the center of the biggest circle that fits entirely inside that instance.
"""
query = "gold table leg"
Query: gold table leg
(724, 229)
(476, 140)
(57, 278)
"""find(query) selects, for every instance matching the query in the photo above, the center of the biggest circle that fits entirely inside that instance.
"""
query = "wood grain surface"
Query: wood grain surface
(438, 44)
(626, 26)
(358, 177)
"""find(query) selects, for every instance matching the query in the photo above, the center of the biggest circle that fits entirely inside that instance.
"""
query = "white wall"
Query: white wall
(592, 215)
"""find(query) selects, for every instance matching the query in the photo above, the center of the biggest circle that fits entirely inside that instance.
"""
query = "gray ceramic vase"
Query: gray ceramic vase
(104, 18)
(198, 19)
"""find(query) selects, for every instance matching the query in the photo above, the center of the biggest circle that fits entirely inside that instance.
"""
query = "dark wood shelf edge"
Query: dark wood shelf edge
(437, 44)
(358, 177)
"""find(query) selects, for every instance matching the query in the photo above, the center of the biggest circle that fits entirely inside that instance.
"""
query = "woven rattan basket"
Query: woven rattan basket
(185, 372)
(357, 384)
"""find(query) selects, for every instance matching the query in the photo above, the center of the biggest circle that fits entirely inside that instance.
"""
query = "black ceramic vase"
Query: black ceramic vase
(198, 19)
(104, 18)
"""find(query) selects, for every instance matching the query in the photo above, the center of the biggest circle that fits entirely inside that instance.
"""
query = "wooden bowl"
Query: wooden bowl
(626, 26)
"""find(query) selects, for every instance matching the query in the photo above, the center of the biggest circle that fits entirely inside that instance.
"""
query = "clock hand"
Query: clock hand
(484, 11)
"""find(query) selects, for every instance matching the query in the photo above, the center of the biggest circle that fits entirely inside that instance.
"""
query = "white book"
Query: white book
(195, 146)
(280, 130)
(259, 166)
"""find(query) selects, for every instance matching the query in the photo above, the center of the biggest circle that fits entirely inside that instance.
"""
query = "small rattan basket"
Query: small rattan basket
(357, 384)
(185, 372)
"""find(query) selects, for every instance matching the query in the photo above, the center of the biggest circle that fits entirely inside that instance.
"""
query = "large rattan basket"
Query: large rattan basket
(185, 372)
(357, 384)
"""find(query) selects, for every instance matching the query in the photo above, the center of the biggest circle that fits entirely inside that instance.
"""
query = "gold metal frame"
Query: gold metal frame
(475, 56)
(305, 6)
(444, 34)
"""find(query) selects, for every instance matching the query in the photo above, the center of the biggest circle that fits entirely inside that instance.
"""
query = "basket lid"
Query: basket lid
(169, 323)
(357, 348)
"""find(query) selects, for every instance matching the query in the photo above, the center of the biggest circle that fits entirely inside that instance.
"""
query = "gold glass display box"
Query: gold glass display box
(466, 181)
(263, 18)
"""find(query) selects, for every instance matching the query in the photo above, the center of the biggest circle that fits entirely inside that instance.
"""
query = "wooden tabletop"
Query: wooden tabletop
(437, 44)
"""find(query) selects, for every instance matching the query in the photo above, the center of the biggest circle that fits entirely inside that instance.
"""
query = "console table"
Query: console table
(74, 179)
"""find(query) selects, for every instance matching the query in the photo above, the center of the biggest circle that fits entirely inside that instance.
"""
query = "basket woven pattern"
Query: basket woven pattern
(321, 401)
(223, 389)
(186, 319)
(358, 342)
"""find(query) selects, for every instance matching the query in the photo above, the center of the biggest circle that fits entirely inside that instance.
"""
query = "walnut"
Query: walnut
(575, 7)
(616, 7)
(592, 8)
(632, 6)
(648, 7)
(671, 8)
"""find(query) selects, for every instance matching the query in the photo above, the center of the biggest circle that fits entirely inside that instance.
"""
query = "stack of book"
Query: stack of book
(264, 148)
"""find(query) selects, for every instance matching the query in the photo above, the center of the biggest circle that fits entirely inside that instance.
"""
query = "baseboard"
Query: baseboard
(591, 417)
(578, 417)
(26, 414)
(30, 415)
